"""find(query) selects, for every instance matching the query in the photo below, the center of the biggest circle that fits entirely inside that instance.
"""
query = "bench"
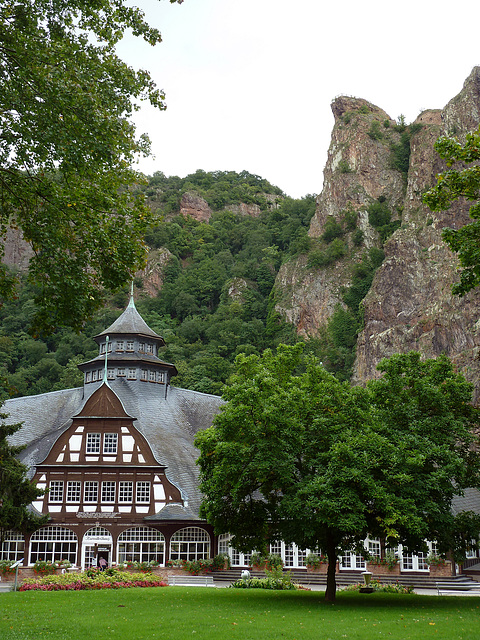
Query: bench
(457, 589)
(190, 581)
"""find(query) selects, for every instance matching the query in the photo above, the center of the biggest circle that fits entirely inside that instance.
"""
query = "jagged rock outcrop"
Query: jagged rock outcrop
(194, 206)
(410, 304)
(152, 276)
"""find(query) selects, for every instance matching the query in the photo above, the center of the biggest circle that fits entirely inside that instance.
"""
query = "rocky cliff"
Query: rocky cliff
(409, 304)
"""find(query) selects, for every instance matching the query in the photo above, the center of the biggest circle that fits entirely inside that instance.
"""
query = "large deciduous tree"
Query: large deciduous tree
(16, 490)
(297, 455)
(66, 148)
(460, 182)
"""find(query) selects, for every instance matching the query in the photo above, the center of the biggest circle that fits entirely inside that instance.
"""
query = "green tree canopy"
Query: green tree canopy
(66, 147)
(16, 490)
(460, 182)
(297, 455)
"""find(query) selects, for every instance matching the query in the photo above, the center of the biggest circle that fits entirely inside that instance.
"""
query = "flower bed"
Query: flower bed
(378, 586)
(92, 580)
(202, 566)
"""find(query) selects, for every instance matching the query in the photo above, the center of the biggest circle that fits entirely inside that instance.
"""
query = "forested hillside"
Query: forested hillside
(216, 299)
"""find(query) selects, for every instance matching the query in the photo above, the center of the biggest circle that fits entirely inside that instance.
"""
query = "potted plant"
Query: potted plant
(257, 561)
(316, 563)
(438, 566)
(272, 562)
(221, 562)
(44, 567)
(389, 564)
(6, 568)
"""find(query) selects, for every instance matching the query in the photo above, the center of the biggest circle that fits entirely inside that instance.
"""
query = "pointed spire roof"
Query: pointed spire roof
(131, 322)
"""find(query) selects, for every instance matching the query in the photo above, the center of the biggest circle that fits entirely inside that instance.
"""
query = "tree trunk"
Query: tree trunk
(332, 566)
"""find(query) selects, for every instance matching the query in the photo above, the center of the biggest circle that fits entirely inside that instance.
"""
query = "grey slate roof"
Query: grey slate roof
(129, 323)
(169, 425)
(470, 501)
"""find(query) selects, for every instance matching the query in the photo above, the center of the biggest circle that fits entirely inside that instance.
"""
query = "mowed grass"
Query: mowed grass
(177, 613)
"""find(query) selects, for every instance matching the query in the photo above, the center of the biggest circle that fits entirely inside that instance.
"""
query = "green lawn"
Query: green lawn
(177, 613)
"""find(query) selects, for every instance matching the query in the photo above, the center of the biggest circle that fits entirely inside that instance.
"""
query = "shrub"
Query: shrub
(384, 588)
(314, 561)
(275, 580)
(375, 132)
(435, 561)
(390, 560)
(6, 567)
(344, 167)
(335, 250)
(357, 237)
(332, 229)
(44, 567)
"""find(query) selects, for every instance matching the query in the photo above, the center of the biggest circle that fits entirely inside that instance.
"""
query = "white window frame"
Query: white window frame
(74, 491)
(109, 488)
(56, 490)
(125, 491)
(90, 491)
(142, 492)
(92, 445)
(110, 443)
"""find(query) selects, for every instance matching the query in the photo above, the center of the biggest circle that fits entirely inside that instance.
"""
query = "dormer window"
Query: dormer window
(103, 348)
(88, 376)
(93, 443)
(120, 345)
(121, 371)
(129, 345)
(132, 373)
(110, 374)
(149, 348)
(94, 376)
(161, 377)
(151, 376)
(141, 347)
(144, 375)
(110, 443)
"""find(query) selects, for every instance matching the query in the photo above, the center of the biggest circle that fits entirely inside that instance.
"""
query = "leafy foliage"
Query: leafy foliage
(462, 184)
(300, 456)
(217, 301)
(16, 490)
(67, 145)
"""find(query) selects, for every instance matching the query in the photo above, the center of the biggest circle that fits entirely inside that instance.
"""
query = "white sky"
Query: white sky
(249, 82)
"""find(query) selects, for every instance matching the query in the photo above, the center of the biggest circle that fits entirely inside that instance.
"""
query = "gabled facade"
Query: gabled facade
(116, 458)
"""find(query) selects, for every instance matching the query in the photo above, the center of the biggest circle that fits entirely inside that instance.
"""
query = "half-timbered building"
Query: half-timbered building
(116, 458)
(117, 461)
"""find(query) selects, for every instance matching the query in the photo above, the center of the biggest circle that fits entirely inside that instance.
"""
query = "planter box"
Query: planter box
(441, 571)
(383, 569)
(322, 568)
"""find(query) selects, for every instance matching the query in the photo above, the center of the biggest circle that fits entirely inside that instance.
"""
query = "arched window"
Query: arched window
(191, 543)
(13, 546)
(141, 544)
(53, 543)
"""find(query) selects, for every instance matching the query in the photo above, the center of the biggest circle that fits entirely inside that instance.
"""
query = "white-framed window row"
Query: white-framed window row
(104, 492)
(131, 373)
(141, 544)
(53, 543)
(13, 546)
(190, 543)
(110, 443)
(103, 348)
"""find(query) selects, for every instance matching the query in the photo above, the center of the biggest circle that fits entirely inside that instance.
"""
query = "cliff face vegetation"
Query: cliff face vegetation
(378, 170)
